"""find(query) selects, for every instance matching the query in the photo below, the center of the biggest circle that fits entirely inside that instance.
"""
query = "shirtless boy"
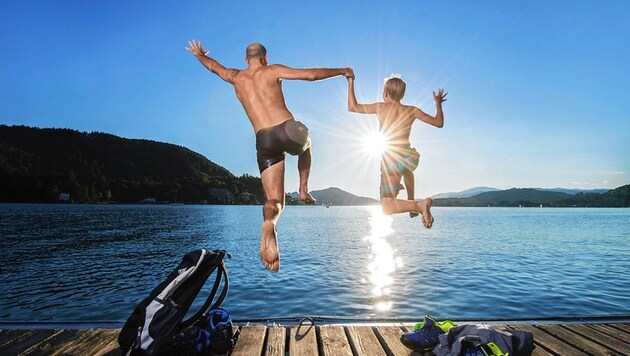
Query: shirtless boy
(259, 89)
(399, 159)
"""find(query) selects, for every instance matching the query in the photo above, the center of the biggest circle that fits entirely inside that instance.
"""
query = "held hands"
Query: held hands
(196, 49)
(349, 74)
(440, 97)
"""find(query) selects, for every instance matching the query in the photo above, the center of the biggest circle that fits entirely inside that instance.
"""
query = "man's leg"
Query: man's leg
(273, 186)
(304, 167)
(410, 186)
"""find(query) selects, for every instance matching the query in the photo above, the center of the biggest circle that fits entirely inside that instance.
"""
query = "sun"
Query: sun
(375, 143)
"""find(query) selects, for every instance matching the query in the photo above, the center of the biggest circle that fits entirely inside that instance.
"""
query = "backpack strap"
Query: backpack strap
(224, 292)
(201, 314)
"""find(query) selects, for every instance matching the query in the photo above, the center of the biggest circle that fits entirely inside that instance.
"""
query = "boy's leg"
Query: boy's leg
(409, 181)
(273, 185)
(394, 206)
(304, 167)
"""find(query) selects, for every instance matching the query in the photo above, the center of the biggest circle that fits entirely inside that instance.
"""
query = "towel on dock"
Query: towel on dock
(459, 338)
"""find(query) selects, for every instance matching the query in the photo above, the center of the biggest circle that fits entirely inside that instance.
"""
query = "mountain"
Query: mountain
(336, 196)
(477, 190)
(574, 191)
(466, 193)
(520, 194)
(45, 165)
(619, 197)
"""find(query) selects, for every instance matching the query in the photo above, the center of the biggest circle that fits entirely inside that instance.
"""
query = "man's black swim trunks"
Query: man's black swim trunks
(273, 143)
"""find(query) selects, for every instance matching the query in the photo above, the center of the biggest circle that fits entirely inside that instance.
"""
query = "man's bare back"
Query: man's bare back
(259, 90)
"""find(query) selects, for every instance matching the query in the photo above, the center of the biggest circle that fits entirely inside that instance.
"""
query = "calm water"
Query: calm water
(77, 263)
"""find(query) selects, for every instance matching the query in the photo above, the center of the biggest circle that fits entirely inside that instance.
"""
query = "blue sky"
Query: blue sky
(538, 90)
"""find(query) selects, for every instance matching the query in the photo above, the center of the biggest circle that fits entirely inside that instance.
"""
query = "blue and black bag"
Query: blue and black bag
(156, 324)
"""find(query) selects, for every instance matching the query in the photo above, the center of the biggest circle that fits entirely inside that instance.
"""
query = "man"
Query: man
(259, 89)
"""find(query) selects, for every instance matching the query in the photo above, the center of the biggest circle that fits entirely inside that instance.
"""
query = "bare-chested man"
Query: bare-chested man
(259, 89)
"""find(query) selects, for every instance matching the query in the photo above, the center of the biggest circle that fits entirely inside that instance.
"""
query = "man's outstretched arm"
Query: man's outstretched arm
(212, 65)
(310, 74)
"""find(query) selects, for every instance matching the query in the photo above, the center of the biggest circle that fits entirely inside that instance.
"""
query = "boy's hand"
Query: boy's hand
(440, 97)
(349, 74)
(196, 49)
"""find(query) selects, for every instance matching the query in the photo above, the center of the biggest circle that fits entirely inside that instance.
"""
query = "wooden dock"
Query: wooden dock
(331, 339)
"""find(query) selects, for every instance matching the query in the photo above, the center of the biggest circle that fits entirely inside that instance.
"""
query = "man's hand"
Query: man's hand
(349, 74)
(440, 97)
(196, 49)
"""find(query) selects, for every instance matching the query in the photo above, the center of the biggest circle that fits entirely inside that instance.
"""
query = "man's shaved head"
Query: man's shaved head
(255, 50)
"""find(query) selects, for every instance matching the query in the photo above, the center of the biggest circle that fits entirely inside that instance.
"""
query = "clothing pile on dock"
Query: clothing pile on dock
(447, 339)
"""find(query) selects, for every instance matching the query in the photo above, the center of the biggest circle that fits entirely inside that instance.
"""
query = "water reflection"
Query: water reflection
(383, 260)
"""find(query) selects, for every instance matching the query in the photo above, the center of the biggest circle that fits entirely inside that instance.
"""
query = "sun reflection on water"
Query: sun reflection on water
(383, 260)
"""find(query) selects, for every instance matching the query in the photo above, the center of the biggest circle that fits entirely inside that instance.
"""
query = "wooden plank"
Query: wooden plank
(334, 341)
(390, 336)
(82, 336)
(542, 339)
(364, 341)
(250, 341)
(26, 341)
(111, 349)
(302, 341)
(600, 338)
(91, 342)
(10, 335)
(276, 341)
(624, 327)
(3, 335)
(618, 334)
(577, 340)
(50, 345)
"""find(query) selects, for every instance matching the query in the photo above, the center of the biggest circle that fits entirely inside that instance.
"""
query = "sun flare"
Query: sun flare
(375, 143)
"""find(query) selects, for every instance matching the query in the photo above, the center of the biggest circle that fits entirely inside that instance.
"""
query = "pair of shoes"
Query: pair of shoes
(424, 336)
(212, 334)
(223, 336)
(488, 349)
(190, 342)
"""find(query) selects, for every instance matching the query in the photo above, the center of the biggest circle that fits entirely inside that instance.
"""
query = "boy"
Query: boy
(399, 159)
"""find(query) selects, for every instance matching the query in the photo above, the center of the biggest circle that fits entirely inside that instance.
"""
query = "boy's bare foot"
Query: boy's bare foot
(425, 209)
(269, 247)
(307, 198)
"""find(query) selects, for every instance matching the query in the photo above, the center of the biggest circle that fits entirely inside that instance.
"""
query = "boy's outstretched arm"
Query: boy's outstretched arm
(438, 119)
(353, 106)
(212, 65)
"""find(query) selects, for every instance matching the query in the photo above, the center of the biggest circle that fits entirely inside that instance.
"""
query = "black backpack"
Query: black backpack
(161, 314)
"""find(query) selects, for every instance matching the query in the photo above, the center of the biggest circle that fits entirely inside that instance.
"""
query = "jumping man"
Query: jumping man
(259, 89)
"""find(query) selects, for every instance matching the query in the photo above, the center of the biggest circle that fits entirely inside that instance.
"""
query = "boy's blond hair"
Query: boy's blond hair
(395, 87)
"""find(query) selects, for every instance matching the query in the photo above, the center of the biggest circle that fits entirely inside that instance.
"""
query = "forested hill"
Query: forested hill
(618, 197)
(36, 165)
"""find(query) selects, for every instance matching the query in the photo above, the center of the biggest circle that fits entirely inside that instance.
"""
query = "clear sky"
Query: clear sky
(538, 90)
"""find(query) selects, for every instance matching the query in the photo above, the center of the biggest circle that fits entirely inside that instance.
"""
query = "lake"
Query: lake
(94, 263)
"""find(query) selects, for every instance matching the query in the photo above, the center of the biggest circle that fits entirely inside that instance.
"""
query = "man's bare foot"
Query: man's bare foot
(269, 247)
(307, 198)
(425, 209)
